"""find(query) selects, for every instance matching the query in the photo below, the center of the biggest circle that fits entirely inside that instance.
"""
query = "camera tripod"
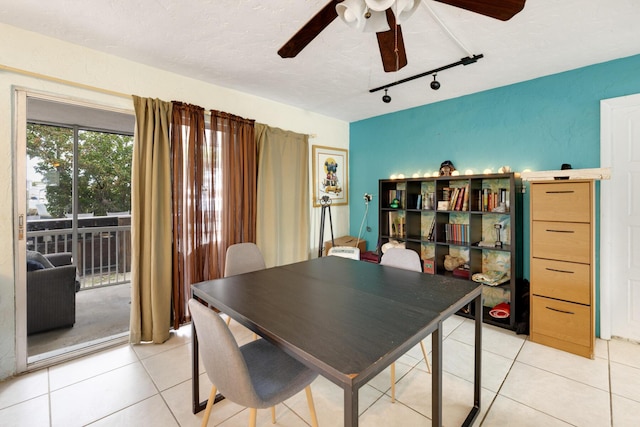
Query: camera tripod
(325, 202)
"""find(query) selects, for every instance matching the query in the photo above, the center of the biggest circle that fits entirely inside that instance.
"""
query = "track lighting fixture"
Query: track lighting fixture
(435, 85)
(386, 98)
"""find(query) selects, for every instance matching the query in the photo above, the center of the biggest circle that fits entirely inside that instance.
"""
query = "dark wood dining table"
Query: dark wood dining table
(346, 319)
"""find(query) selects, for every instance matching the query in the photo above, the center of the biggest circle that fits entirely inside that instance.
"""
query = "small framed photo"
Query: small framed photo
(330, 175)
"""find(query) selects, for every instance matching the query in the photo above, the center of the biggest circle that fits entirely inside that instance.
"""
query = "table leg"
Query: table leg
(350, 407)
(197, 406)
(436, 377)
(477, 377)
(478, 368)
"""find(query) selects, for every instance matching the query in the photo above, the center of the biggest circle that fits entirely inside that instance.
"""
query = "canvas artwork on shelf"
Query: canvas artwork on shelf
(397, 224)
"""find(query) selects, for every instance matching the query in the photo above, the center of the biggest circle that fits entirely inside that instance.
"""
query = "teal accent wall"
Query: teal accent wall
(538, 124)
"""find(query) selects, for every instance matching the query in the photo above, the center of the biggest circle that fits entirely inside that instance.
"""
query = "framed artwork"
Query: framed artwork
(330, 175)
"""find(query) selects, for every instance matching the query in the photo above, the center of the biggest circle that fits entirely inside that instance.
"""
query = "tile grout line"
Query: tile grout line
(509, 398)
(159, 392)
(139, 361)
(569, 378)
(610, 385)
(513, 362)
(49, 397)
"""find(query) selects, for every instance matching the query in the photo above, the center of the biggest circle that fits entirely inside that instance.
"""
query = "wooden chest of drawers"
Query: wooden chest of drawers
(562, 265)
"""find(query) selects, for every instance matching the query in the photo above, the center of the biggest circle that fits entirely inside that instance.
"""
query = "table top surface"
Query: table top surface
(346, 319)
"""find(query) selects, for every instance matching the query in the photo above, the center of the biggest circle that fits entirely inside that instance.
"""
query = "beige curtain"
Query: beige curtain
(282, 225)
(151, 223)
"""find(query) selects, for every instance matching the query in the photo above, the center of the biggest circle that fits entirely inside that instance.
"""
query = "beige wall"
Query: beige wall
(37, 54)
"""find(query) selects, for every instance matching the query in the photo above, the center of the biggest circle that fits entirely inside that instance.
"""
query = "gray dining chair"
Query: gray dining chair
(243, 258)
(257, 375)
(406, 259)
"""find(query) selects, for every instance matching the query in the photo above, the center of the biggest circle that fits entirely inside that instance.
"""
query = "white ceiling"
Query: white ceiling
(233, 43)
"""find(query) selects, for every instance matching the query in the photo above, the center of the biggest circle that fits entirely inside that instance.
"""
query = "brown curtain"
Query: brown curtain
(214, 195)
(151, 223)
(283, 228)
(235, 138)
(192, 164)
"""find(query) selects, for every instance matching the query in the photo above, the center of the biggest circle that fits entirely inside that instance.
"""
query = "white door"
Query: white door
(620, 219)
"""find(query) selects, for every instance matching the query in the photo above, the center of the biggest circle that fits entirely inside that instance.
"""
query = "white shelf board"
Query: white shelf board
(596, 173)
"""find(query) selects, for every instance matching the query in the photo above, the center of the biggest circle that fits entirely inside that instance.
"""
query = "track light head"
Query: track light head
(386, 98)
(435, 85)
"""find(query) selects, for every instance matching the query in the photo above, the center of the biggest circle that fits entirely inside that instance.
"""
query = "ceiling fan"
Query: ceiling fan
(383, 17)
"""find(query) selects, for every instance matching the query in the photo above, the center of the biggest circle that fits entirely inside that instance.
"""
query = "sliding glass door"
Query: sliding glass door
(77, 227)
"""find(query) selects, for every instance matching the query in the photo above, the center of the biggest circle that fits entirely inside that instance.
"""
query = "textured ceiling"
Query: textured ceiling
(233, 43)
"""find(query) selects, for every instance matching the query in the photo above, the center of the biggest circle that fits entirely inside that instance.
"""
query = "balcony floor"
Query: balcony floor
(100, 313)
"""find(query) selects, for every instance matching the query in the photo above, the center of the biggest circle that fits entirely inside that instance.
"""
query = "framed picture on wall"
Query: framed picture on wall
(330, 175)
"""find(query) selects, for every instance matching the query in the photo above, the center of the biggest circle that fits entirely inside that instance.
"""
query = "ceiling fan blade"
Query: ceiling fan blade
(502, 10)
(310, 30)
(391, 45)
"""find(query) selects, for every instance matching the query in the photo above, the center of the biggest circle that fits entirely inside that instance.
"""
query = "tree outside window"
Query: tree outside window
(104, 169)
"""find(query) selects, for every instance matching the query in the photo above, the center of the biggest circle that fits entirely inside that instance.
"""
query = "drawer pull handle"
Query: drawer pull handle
(559, 271)
(560, 192)
(560, 311)
(560, 231)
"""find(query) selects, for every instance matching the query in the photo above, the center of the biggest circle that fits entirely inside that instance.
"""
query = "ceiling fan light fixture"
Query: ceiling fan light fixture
(352, 13)
(403, 9)
(376, 22)
(379, 5)
(358, 16)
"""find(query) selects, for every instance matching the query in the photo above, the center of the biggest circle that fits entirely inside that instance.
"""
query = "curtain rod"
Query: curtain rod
(75, 84)
(63, 81)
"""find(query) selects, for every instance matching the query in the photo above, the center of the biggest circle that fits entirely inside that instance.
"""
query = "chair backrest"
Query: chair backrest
(407, 259)
(344, 252)
(221, 356)
(243, 258)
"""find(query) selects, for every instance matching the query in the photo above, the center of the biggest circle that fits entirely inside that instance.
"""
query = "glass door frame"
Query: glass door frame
(20, 116)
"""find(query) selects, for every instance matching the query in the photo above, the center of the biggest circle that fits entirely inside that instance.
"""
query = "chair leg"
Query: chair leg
(426, 359)
(312, 408)
(393, 382)
(207, 410)
(253, 415)
(273, 415)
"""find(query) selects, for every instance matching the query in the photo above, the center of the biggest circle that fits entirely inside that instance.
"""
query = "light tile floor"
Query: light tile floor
(524, 384)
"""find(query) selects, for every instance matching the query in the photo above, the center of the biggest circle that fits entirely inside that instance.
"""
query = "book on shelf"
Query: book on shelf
(490, 201)
(452, 198)
(465, 202)
(460, 198)
(457, 197)
(446, 194)
(431, 228)
(457, 233)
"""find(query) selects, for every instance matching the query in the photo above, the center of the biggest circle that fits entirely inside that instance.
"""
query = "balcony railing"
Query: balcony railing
(102, 253)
